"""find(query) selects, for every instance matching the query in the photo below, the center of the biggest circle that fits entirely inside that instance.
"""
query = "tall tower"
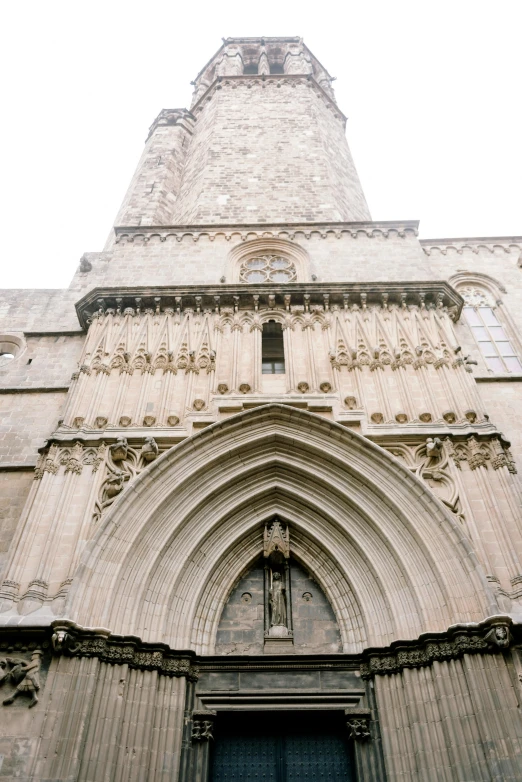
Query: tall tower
(269, 527)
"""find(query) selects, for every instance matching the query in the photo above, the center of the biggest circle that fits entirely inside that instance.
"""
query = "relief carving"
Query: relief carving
(359, 728)
(25, 675)
(124, 463)
(202, 725)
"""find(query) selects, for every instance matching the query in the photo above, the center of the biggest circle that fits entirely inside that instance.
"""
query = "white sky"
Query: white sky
(432, 90)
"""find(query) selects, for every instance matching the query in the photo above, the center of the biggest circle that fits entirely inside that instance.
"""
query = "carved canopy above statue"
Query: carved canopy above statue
(390, 558)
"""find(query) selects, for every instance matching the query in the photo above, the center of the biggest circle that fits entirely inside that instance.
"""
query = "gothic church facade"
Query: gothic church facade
(261, 515)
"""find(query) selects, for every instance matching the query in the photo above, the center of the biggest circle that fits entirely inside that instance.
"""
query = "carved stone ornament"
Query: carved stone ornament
(433, 447)
(303, 387)
(426, 418)
(350, 402)
(24, 674)
(245, 388)
(85, 265)
(198, 404)
(149, 420)
(119, 449)
(72, 640)
(377, 418)
(401, 418)
(358, 724)
(101, 421)
(499, 637)
(173, 420)
(276, 542)
(325, 388)
(471, 416)
(78, 422)
(203, 725)
(125, 420)
(491, 636)
(449, 416)
(149, 449)
(222, 388)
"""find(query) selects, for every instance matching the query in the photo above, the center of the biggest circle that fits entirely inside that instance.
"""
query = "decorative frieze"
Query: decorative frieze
(72, 458)
(472, 245)
(492, 636)
(424, 295)
(488, 637)
(69, 639)
(479, 453)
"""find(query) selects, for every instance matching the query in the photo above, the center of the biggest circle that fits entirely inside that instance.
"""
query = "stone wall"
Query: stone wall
(27, 420)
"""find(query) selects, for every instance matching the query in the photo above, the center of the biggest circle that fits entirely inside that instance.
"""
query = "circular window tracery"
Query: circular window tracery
(267, 268)
(475, 296)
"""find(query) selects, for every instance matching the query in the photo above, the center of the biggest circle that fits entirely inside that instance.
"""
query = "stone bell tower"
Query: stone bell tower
(258, 470)
(263, 141)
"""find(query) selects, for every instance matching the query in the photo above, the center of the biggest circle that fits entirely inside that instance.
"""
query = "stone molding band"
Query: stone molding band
(493, 635)
(149, 300)
(496, 634)
(68, 638)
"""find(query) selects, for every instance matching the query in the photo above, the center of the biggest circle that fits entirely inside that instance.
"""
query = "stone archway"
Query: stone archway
(390, 558)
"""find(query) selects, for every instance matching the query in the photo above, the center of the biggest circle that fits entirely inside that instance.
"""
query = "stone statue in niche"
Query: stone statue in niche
(25, 675)
(277, 601)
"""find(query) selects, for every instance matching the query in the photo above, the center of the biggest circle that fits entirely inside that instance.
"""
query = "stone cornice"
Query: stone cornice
(173, 117)
(68, 638)
(385, 229)
(495, 634)
(343, 295)
(473, 244)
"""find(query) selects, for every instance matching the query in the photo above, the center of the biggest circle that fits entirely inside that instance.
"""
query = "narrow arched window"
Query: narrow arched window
(272, 349)
(489, 332)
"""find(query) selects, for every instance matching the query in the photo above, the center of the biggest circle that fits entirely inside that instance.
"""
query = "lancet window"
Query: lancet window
(272, 352)
(489, 332)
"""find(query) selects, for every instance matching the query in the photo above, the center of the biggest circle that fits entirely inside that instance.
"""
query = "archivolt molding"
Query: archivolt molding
(185, 530)
(484, 281)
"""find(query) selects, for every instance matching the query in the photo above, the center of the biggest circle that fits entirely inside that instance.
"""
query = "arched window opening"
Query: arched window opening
(272, 349)
(485, 322)
(251, 68)
(492, 340)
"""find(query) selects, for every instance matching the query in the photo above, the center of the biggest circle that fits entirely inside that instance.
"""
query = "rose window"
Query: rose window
(267, 268)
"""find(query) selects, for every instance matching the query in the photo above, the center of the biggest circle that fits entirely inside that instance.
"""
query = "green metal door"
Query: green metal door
(283, 747)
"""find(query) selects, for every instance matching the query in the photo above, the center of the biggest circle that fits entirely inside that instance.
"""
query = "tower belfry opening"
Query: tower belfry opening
(211, 573)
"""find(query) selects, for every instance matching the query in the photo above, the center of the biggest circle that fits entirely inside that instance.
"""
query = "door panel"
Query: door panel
(282, 747)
